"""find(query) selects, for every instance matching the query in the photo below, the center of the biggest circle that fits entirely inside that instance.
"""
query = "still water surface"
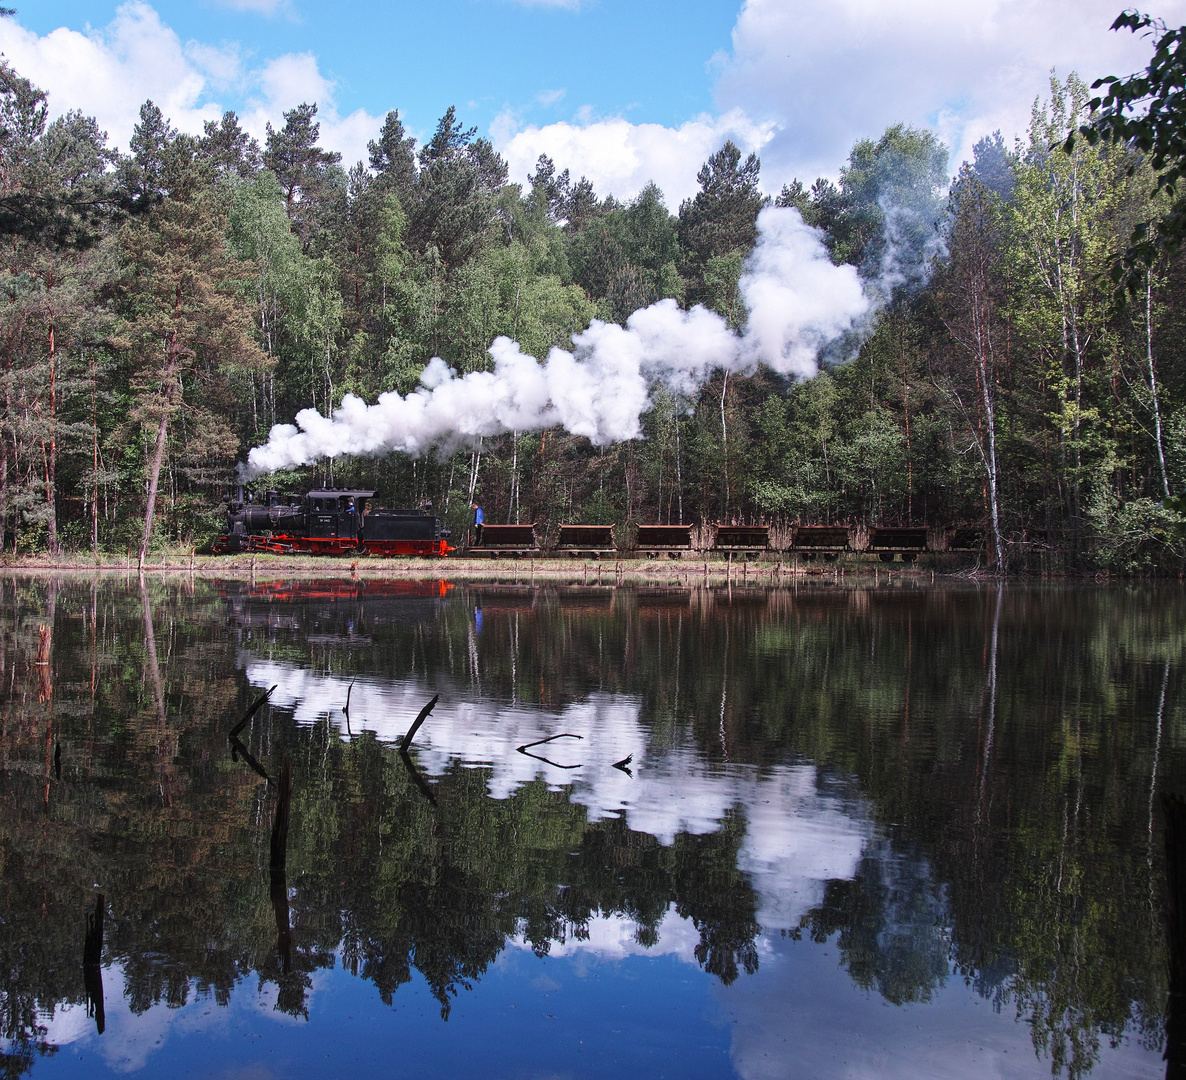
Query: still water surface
(823, 832)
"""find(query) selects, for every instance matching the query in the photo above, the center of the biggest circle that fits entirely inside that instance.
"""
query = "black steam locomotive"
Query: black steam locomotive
(332, 521)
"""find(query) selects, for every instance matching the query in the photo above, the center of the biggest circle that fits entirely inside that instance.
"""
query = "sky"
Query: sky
(622, 91)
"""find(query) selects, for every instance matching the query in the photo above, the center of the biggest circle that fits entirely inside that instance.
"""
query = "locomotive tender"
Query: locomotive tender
(330, 521)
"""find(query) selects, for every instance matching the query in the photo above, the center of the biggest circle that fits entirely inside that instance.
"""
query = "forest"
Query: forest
(165, 307)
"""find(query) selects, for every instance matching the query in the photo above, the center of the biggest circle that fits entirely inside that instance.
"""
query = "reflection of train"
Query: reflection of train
(333, 521)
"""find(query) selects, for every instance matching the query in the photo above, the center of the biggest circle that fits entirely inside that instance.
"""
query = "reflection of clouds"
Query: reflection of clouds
(66, 1024)
(797, 836)
(613, 937)
(131, 1039)
(802, 1016)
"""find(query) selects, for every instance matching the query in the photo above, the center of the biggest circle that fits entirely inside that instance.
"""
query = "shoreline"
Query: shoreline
(768, 569)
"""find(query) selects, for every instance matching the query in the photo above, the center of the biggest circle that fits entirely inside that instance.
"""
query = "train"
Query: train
(330, 521)
(344, 521)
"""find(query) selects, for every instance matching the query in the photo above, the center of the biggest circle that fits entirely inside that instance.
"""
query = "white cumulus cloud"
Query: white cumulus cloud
(109, 73)
(803, 81)
(621, 157)
(828, 75)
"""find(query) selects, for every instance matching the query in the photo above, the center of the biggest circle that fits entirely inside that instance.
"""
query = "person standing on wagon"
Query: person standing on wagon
(479, 518)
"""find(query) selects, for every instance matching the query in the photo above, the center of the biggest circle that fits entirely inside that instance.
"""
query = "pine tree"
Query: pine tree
(723, 215)
(185, 323)
(305, 171)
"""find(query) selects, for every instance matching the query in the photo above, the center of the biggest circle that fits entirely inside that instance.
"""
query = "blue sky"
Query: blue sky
(621, 90)
(622, 56)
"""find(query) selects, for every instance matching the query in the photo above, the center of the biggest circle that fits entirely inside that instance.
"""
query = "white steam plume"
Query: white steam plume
(797, 301)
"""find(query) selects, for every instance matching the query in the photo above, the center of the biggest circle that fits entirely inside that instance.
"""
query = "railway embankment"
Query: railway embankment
(692, 568)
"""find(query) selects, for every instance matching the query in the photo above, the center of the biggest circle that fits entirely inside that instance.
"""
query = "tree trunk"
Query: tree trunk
(3, 491)
(725, 442)
(154, 477)
(1165, 481)
(51, 451)
(679, 483)
(94, 463)
(990, 462)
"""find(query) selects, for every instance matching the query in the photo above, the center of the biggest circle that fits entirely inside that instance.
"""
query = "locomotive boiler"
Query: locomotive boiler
(330, 521)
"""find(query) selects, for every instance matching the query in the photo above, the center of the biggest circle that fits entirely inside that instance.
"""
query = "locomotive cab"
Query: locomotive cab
(334, 517)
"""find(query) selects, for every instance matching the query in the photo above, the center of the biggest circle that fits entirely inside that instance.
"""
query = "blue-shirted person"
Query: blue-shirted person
(479, 518)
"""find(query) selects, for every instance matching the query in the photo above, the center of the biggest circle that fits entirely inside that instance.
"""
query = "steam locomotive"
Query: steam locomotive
(332, 521)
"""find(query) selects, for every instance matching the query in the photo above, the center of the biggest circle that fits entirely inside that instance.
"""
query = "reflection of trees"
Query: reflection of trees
(716, 896)
(1005, 742)
(152, 806)
(891, 924)
(440, 890)
(1025, 782)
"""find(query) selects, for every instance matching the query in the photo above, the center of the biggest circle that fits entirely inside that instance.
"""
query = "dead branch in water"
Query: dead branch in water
(92, 964)
(540, 742)
(417, 779)
(239, 750)
(278, 893)
(251, 711)
(403, 746)
(547, 761)
(280, 824)
(624, 764)
(1174, 810)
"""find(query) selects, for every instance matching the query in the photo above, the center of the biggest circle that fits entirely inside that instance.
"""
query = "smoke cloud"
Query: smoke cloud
(797, 302)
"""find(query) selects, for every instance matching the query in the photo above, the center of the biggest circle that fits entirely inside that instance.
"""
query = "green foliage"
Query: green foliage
(351, 280)
(1144, 111)
(722, 217)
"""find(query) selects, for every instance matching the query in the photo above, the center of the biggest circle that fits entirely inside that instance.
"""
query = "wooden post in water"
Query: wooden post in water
(1174, 808)
(280, 822)
(92, 964)
(278, 872)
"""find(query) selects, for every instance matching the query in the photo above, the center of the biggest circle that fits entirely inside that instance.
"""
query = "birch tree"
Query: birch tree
(970, 303)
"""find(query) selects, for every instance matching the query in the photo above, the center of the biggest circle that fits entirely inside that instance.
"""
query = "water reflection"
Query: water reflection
(92, 958)
(949, 792)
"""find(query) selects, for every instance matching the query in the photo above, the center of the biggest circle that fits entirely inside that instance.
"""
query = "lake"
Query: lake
(825, 830)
